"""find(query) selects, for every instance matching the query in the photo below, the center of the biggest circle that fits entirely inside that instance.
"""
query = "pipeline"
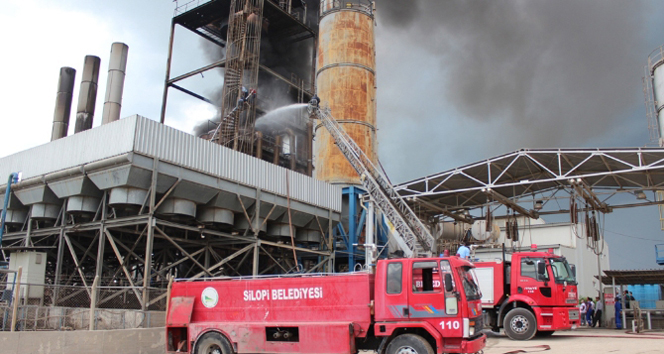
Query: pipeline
(13, 178)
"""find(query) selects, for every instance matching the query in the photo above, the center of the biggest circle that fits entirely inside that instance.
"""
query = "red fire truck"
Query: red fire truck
(410, 305)
(534, 293)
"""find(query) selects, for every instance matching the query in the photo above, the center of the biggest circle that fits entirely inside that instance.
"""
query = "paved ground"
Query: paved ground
(583, 341)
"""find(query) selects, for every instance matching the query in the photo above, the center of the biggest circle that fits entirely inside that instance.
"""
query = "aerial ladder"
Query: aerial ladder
(410, 231)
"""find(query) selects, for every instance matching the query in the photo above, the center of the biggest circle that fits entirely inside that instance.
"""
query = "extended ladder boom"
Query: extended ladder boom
(409, 227)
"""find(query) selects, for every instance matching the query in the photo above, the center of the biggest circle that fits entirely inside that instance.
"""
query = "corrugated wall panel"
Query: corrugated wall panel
(88, 146)
(171, 145)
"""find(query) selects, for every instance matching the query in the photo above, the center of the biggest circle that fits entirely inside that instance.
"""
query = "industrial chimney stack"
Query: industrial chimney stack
(115, 85)
(346, 81)
(63, 103)
(87, 94)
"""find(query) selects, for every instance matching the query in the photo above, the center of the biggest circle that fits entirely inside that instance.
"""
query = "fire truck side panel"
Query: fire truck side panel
(338, 298)
(312, 337)
(491, 276)
(179, 314)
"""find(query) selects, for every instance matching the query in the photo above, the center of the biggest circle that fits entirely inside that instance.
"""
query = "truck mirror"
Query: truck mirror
(573, 266)
(541, 268)
(448, 283)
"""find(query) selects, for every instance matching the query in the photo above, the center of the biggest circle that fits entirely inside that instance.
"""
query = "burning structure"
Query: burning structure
(269, 47)
(133, 202)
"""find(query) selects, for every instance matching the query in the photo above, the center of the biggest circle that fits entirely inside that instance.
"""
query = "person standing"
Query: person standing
(583, 308)
(589, 312)
(618, 308)
(599, 308)
(628, 298)
(463, 252)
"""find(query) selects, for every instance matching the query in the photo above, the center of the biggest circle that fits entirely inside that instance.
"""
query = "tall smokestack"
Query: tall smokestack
(63, 103)
(87, 94)
(346, 81)
(116, 76)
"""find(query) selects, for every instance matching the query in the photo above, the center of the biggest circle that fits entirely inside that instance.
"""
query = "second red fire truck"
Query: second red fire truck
(534, 293)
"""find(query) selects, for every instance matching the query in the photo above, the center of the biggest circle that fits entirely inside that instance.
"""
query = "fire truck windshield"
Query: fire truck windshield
(562, 271)
(470, 283)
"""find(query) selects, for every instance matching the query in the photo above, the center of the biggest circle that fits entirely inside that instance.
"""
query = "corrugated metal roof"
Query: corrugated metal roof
(149, 138)
(633, 277)
(89, 146)
(528, 172)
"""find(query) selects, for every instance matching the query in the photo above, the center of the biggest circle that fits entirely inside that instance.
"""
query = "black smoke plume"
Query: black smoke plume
(554, 74)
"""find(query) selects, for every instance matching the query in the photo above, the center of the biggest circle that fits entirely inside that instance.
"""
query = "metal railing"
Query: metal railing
(188, 5)
(64, 307)
(364, 6)
(655, 59)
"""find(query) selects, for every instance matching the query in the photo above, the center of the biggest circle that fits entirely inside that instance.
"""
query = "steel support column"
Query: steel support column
(147, 267)
(257, 246)
(58, 265)
(168, 72)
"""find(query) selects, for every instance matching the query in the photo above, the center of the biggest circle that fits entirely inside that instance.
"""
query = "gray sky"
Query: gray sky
(458, 81)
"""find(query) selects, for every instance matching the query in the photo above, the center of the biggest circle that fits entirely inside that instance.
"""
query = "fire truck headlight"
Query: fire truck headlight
(471, 328)
(466, 328)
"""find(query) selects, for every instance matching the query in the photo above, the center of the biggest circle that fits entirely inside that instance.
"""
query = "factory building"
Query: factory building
(112, 213)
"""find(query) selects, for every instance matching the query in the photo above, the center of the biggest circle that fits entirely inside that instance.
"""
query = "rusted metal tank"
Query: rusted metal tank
(346, 81)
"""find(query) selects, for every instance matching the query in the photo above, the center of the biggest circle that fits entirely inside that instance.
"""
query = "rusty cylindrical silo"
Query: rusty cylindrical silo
(87, 94)
(346, 81)
(117, 66)
(63, 103)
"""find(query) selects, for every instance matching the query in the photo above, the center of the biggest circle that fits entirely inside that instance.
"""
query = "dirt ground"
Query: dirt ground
(583, 341)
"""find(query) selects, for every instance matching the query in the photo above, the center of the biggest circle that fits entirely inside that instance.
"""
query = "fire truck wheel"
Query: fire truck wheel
(409, 344)
(213, 343)
(520, 324)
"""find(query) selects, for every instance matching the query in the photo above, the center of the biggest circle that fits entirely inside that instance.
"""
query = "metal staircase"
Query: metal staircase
(407, 226)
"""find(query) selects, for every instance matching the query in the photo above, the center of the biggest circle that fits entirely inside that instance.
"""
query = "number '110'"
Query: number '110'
(450, 324)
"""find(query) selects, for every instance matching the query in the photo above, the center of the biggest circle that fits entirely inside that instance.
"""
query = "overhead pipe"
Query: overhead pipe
(63, 103)
(87, 95)
(115, 84)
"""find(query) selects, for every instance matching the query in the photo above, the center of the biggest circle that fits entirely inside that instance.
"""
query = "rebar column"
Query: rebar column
(245, 23)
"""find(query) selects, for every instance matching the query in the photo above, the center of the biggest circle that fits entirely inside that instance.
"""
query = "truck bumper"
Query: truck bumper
(557, 318)
(454, 345)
